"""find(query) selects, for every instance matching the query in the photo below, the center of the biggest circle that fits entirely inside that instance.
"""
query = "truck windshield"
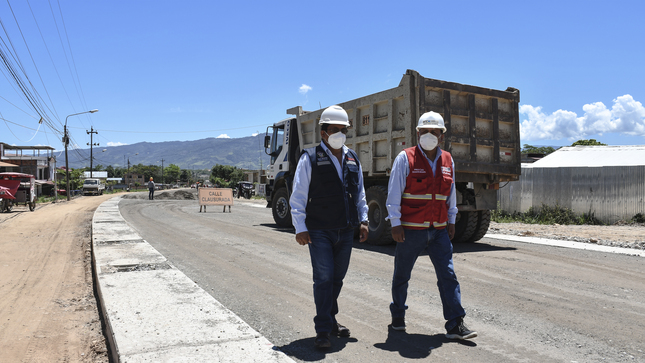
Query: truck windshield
(276, 142)
(90, 182)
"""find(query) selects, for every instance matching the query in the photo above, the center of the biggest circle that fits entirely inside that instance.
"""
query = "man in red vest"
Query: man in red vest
(422, 208)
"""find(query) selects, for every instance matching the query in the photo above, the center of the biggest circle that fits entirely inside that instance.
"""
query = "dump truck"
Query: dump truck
(483, 136)
(93, 186)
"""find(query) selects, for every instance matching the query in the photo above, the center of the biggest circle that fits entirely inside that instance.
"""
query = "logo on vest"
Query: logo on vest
(446, 170)
(418, 171)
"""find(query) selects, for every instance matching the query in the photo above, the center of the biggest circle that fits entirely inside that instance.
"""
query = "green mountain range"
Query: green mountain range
(245, 153)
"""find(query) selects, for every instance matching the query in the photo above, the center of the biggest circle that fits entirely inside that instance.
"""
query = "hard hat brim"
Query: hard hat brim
(443, 129)
(345, 123)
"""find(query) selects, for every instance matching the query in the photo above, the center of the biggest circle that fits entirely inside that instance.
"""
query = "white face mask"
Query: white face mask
(337, 140)
(428, 141)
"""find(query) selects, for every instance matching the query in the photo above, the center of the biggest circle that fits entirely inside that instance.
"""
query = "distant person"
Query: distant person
(151, 189)
(421, 206)
(327, 204)
(239, 190)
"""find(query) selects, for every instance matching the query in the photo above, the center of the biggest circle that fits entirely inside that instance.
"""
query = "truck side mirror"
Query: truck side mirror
(267, 141)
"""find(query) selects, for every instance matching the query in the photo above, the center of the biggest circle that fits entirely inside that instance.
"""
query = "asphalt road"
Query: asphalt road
(529, 303)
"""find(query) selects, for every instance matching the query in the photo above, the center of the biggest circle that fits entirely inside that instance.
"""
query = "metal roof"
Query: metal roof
(593, 156)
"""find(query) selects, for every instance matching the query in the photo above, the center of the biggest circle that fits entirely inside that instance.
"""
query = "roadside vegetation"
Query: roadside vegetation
(545, 215)
(555, 215)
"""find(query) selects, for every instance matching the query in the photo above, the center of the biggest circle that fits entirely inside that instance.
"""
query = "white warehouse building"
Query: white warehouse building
(606, 181)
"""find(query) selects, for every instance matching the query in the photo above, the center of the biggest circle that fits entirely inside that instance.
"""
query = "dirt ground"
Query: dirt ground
(620, 235)
(48, 311)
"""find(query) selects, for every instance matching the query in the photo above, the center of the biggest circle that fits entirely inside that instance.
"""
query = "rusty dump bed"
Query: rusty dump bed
(482, 127)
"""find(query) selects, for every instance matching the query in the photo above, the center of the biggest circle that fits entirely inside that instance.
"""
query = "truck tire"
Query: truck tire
(281, 208)
(483, 221)
(380, 230)
(465, 226)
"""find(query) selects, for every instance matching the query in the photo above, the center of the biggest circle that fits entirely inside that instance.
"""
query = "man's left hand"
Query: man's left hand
(451, 230)
(364, 233)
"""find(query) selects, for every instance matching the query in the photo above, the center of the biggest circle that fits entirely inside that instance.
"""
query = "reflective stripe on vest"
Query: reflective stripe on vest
(424, 196)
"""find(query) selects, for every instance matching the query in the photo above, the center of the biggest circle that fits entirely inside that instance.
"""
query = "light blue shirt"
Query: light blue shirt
(398, 177)
(300, 192)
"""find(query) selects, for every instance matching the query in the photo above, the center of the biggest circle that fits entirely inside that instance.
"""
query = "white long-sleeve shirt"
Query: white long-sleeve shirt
(300, 191)
(398, 177)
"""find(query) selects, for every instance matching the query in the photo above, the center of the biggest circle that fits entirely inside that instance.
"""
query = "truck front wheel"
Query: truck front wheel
(281, 209)
(380, 229)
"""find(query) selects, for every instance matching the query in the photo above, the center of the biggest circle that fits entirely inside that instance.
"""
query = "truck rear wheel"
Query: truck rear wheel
(483, 221)
(465, 226)
(380, 229)
(281, 208)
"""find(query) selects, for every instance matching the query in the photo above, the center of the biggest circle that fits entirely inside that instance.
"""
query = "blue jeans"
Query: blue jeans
(437, 243)
(330, 251)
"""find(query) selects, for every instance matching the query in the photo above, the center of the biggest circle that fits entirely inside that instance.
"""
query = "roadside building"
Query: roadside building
(38, 161)
(606, 181)
(7, 167)
(131, 179)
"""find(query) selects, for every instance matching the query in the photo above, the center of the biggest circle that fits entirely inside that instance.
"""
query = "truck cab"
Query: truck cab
(93, 186)
(282, 144)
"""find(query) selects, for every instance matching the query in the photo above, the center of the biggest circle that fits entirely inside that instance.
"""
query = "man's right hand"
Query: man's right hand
(303, 238)
(397, 234)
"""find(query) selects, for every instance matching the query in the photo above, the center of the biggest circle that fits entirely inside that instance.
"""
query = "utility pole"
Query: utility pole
(66, 142)
(162, 170)
(91, 133)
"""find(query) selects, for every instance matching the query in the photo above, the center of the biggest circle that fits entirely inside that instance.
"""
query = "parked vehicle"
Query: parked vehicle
(244, 189)
(482, 136)
(16, 189)
(93, 186)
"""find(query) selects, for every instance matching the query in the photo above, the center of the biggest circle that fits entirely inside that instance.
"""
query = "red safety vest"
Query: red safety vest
(423, 203)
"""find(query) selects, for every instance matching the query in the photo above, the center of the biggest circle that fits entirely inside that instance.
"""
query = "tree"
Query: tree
(530, 149)
(184, 176)
(171, 174)
(226, 175)
(589, 142)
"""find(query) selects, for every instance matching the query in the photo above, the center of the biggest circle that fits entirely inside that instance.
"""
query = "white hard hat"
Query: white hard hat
(431, 120)
(334, 115)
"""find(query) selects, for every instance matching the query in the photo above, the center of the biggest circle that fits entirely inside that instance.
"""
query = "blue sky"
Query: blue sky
(187, 70)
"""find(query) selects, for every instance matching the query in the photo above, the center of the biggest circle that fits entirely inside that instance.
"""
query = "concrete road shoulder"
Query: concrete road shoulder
(155, 313)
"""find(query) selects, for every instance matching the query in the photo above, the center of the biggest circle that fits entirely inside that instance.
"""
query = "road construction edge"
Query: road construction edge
(155, 313)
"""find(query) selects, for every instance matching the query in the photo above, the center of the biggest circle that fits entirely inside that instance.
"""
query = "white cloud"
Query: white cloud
(255, 134)
(110, 143)
(304, 89)
(626, 116)
(223, 136)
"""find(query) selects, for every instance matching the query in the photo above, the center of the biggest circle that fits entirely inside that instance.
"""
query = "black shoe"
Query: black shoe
(461, 332)
(340, 330)
(322, 341)
(398, 324)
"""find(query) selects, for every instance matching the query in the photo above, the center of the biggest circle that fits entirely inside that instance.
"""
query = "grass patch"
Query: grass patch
(545, 215)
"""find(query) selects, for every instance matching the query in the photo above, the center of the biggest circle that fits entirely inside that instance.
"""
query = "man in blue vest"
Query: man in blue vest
(327, 204)
(421, 205)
